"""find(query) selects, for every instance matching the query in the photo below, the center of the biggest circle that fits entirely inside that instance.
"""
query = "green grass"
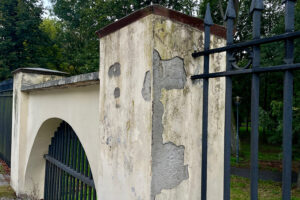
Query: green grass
(270, 156)
(6, 191)
(268, 190)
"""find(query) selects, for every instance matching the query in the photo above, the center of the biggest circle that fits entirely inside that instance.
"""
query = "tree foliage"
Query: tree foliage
(271, 84)
(80, 19)
(21, 39)
(68, 42)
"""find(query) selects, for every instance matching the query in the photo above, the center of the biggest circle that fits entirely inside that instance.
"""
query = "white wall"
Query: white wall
(45, 110)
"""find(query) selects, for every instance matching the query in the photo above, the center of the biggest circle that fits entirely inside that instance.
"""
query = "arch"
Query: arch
(34, 179)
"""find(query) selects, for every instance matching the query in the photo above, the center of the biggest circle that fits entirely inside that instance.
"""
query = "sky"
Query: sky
(47, 5)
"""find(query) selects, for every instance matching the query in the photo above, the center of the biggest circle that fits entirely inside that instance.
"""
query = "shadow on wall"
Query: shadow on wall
(35, 167)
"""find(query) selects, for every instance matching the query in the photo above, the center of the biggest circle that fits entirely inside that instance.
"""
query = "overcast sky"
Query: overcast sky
(46, 3)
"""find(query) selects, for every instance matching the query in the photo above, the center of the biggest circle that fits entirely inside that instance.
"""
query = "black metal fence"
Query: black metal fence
(68, 173)
(6, 88)
(233, 70)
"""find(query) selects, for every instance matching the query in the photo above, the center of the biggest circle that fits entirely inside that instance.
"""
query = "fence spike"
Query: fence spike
(230, 11)
(208, 19)
(256, 5)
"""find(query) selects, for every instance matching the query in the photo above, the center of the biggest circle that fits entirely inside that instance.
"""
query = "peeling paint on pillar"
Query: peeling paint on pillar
(117, 93)
(114, 70)
(146, 91)
(168, 169)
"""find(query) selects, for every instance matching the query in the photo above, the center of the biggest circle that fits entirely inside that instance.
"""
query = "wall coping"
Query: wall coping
(42, 71)
(73, 81)
(161, 11)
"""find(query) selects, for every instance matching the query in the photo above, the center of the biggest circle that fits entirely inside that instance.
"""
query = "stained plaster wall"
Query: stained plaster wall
(182, 111)
(125, 116)
(39, 116)
(19, 120)
(150, 113)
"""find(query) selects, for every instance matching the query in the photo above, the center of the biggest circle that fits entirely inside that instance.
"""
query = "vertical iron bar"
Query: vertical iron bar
(86, 174)
(78, 149)
(59, 158)
(82, 171)
(73, 163)
(207, 22)
(94, 194)
(68, 163)
(237, 132)
(65, 182)
(46, 181)
(56, 168)
(51, 171)
(63, 160)
(256, 10)
(288, 102)
(90, 188)
(229, 18)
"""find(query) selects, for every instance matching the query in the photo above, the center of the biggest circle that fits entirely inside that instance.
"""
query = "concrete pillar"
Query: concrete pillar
(150, 110)
(24, 77)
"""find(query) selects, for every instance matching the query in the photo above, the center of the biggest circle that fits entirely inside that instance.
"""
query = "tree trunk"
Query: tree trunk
(233, 134)
(221, 9)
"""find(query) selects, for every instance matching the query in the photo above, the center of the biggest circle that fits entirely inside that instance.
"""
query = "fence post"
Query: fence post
(230, 16)
(256, 10)
(207, 23)
(288, 101)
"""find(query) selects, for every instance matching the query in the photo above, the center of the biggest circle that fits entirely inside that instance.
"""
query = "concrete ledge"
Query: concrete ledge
(40, 71)
(73, 81)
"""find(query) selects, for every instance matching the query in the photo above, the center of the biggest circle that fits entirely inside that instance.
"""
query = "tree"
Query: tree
(80, 19)
(20, 36)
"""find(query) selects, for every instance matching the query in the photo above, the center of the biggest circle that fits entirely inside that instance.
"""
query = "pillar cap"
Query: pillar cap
(160, 11)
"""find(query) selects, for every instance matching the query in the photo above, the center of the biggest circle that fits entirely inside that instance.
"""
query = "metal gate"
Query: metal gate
(6, 93)
(68, 173)
(233, 70)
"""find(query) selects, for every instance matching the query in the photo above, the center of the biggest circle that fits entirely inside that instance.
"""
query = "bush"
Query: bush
(272, 122)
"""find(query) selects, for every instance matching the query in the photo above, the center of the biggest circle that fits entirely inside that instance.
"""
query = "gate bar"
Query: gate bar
(207, 23)
(72, 172)
(277, 68)
(288, 102)
(229, 19)
(256, 11)
(243, 45)
(51, 172)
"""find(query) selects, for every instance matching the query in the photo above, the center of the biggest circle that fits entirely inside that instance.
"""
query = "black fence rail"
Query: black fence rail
(6, 91)
(233, 70)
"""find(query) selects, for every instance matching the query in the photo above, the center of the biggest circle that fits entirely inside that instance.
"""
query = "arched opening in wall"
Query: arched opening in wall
(68, 173)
